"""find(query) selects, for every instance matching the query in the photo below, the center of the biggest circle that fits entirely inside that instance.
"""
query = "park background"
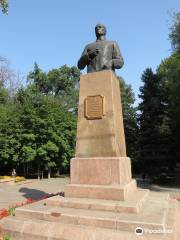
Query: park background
(40, 45)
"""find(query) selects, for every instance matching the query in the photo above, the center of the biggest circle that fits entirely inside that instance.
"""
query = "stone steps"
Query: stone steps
(152, 216)
(132, 205)
(53, 219)
(95, 219)
(30, 229)
(118, 192)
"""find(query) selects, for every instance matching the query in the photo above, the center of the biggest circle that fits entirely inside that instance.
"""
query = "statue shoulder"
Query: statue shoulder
(91, 45)
(112, 42)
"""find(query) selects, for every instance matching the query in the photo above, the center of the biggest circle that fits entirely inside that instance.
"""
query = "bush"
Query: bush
(19, 179)
(5, 177)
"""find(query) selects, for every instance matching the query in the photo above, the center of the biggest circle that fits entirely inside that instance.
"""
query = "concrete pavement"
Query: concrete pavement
(35, 189)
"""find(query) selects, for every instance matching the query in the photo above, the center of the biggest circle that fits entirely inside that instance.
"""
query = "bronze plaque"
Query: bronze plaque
(94, 107)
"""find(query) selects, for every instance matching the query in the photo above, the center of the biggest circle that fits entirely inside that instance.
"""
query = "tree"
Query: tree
(10, 134)
(39, 79)
(175, 33)
(48, 152)
(53, 128)
(3, 71)
(4, 96)
(169, 71)
(153, 151)
(9, 79)
(159, 111)
(62, 82)
(38, 125)
(4, 6)
(36, 132)
(130, 120)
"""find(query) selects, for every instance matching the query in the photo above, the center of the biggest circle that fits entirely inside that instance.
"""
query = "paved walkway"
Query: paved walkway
(12, 194)
(173, 189)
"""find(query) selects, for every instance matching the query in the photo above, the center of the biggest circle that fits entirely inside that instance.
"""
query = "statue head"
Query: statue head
(100, 30)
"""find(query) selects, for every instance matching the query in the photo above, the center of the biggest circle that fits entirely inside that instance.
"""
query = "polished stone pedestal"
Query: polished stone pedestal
(101, 178)
(100, 129)
(100, 169)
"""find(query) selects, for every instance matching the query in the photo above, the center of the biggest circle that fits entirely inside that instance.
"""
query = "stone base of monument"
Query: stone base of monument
(60, 218)
(101, 178)
(108, 192)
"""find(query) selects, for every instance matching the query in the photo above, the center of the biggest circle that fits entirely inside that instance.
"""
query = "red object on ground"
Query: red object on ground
(29, 200)
(3, 213)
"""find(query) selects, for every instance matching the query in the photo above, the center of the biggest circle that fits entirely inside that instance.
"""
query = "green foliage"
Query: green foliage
(130, 119)
(4, 6)
(169, 71)
(175, 32)
(11, 211)
(6, 237)
(153, 136)
(39, 79)
(4, 96)
(159, 117)
(62, 82)
(10, 130)
(38, 128)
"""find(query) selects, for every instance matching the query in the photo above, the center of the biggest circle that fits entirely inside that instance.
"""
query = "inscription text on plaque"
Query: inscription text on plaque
(94, 107)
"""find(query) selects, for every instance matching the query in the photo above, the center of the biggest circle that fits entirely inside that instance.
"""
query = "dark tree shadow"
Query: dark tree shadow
(166, 187)
(33, 193)
(36, 194)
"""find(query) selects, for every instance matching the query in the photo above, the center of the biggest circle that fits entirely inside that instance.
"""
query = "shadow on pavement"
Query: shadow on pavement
(33, 193)
(172, 188)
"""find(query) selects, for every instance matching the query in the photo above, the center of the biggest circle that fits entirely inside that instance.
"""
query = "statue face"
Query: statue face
(100, 30)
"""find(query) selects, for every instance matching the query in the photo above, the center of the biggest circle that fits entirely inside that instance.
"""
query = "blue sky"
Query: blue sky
(54, 33)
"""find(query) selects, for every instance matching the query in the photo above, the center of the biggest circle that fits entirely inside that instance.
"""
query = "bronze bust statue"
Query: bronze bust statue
(102, 54)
